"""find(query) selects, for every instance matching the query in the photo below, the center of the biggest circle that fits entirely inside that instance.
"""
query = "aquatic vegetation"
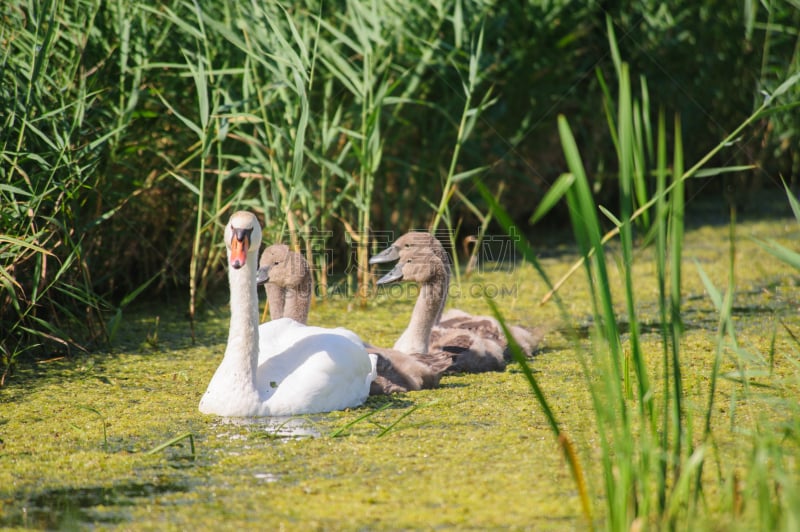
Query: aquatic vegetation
(669, 375)
(655, 448)
(475, 453)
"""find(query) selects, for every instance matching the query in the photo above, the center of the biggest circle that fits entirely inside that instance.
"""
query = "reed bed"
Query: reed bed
(129, 131)
(656, 452)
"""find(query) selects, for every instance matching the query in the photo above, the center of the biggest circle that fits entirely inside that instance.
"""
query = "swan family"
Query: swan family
(286, 367)
(287, 280)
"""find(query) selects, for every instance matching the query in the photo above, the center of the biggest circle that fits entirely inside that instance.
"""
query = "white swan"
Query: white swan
(281, 368)
(288, 279)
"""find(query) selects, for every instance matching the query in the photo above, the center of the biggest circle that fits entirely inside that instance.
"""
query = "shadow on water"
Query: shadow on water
(76, 507)
(696, 315)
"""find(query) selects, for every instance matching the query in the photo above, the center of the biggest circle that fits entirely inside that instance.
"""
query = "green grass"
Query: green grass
(654, 457)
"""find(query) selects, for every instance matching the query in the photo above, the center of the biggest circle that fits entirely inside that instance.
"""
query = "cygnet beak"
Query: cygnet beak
(387, 255)
(395, 275)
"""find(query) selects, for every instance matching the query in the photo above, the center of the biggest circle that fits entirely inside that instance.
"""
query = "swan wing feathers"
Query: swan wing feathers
(318, 373)
(529, 339)
(489, 328)
(454, 313)
(471, 353)
(276, 336)
(437, 361)
(404, 372)
(484, 326)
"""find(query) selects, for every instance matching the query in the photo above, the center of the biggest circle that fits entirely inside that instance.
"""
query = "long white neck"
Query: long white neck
(232, 390)
(241, 353)
(416, 337)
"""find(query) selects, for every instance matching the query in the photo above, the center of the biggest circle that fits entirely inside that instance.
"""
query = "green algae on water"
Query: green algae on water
(477, 453)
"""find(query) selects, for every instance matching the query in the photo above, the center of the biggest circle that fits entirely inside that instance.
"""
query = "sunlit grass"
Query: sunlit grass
(653, 454)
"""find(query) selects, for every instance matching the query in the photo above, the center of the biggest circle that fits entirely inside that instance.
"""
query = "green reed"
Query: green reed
(466, 125)
(130, 129)
(294, 112)
(175, 441)
(652, 463)
(56, 133)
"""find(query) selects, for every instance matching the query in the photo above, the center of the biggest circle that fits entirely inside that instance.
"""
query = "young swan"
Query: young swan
(280, 368)
(489, 329)
(468, 351)
(448, 325)
(287, 279)
(287, 272)
(275, 294)
(410, 242)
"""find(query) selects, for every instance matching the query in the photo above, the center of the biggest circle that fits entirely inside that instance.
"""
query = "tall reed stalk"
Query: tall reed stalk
(57, 132)
(651, 462)
(466, 125)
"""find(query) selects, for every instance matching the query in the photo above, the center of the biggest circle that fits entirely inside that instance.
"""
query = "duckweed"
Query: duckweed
(476, 453)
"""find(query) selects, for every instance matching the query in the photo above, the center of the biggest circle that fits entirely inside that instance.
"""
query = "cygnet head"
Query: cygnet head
(421, 266)
(242, 238)
(409, 242)
(280, 266)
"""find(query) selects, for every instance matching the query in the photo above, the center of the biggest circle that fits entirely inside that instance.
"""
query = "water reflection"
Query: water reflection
(273, 427)
(74, 508)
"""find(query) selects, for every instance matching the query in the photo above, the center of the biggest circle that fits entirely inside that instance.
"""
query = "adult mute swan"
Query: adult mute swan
(281, 368)
(397, 372)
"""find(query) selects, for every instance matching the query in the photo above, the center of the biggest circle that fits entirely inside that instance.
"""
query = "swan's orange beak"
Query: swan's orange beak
(240, 243)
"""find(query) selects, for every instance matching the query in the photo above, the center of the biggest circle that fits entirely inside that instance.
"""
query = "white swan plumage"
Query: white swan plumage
(281, 368)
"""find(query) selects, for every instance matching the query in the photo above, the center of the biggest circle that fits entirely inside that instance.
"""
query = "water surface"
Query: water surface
(476, 453)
